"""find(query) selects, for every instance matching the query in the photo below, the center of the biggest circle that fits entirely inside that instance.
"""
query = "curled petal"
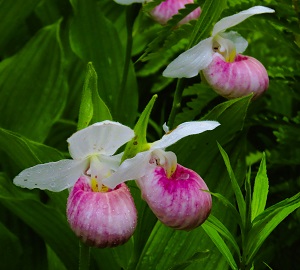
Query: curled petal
(54, 176)
(189, 63)
(183, 130)
(130, 169)
(235, 19)
(240, 43)
(101, 219)
(100, 138)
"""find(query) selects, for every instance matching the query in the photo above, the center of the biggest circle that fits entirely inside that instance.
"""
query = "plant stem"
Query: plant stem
(176, 102)
(84, 257)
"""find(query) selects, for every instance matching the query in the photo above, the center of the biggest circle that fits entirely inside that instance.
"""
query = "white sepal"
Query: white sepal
(54, 176)
(183, 130)
(189, 63)
(235, 19)
(100, 138)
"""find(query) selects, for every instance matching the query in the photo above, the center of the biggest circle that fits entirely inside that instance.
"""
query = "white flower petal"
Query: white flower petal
(100, 138)
(183, 130)
(54, 176)
(128, 2)
(189, 63)
(240, 43)
(235, 19)
(130, 169)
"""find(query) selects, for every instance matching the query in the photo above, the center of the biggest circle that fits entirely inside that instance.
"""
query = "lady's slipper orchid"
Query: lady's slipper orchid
(230, 74)
(92, 207)
(167, 9)
(173, 192)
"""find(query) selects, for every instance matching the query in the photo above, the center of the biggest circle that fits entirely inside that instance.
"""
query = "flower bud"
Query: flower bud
(178, 201)
(101, 219)
(167, 9)
(239, 78)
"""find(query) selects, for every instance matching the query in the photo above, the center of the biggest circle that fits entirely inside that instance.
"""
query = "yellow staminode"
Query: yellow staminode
(95, 186)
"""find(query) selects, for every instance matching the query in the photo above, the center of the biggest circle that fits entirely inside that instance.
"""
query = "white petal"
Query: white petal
(240, 43)
(128, 2)
(189, 63)
(100, 138)
(54, 176)
(235, 19)
(183, 130)
(130, 169)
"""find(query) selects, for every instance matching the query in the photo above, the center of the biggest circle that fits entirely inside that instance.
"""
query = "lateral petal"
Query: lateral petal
(100, 138)
(240, 43)
(189, 63)
(235, 19)
(130, 169)
(183, 130)
(54, 176)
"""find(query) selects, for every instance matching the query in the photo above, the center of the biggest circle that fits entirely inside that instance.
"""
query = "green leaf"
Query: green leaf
(260, 192)
(11, 254)
(217, 225)
(101, 45)
(47, 221)
(33, 86)
(24, 152)
(266, 222)
(9, 22)
(235, 186)
(211, 11)
(221, 245)
(92, 107)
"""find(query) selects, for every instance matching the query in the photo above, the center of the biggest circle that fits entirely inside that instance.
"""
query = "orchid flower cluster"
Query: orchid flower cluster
(218, 58)
(100, 208)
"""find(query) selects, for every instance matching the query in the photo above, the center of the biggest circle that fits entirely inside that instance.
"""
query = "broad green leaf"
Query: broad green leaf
(11, 248)
(45, 220)
(94, 39)
(92, 107)
(33, 86)
(261, 189)
(221, 245)
(266, 222)
(24, 152)
(12, 17)
(196, 257)
(54, 262)
(235, 186)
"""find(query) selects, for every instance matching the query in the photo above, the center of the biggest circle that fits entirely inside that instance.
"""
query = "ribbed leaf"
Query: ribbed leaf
(9, 23)
(33, 89)
(94, 39)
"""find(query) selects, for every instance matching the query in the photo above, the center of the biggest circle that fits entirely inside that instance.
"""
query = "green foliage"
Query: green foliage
(70, 63)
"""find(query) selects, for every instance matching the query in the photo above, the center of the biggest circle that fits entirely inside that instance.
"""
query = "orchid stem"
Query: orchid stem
(84, 256)
(176, 102)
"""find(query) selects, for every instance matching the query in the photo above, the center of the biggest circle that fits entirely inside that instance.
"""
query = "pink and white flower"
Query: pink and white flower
(167, 9)
(174, 193)
(218, 57)
(101, 216)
